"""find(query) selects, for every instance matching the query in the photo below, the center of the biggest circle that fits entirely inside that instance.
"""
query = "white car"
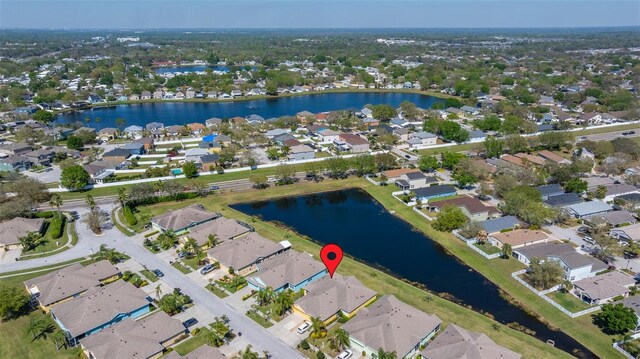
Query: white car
(304, 327)
(345, 354)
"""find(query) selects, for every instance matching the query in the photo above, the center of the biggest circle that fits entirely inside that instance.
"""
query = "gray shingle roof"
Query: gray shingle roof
(498, 224)
(458, 343)
(588, 208)
(244, 251)
(183, 217)
(291, 268)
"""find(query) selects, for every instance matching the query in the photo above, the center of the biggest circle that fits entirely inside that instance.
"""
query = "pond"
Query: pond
(365, 230)
(180, 113)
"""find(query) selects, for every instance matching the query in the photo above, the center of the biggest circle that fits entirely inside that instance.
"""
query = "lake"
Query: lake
(366, 231)
(179, 113)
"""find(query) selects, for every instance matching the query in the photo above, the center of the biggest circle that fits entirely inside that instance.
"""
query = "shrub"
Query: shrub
(304, 345)
(129, 216)
(44, 214)
(320, 355)
(56, 226)
(126, 276)
(195, 331)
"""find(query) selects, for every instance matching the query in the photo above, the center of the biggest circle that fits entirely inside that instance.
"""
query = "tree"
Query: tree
(600, 192)
(484, 190)
(341, 339)
(122, 196)
(383, 179)
(427, 163)
(43, 116)
(516, 144)
(247, 353)
(265, 296)
(452, 131)
(464, 179)
(74, 178)
(555, 140)
(74, 142)
(110, 254)
(259, 180)
(13, 302)
(284, 301)
(90, 201)
(615, 319)
(120, 123)
(471, 230)
(363, 164)
(386, 355)
(507, 250)
(190, 170)
(30, 241)
(318, 328)
(544, 275)
(285, 173)
(626, 145)
(451, 159)
(576, 185)
(409, 110)
(449, 218)
(95, 220)
(56, 201)
(493, 147)
(383, 112)
(60, 339)
(385, 161)
(169, 304)
(39, 328)
(337, 167)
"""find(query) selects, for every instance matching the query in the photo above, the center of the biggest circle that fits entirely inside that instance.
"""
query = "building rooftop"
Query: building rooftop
(184, 217)
(499, 224)
(434, 190)
(458, 343)
(391, 325)
(99, 305)
(592, 207)
(245, 251)
(471, 204)
(520, 236)
(69, 281)
(223, 228)
(564, 252)
(565, 199)
(550, 190)
(13, 229)
(326, 296)
(291, 268)
(204, 352)
(606, 285)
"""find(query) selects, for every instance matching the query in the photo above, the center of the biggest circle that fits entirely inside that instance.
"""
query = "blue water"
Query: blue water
(183, 69)
(179, 113)
(367, 231)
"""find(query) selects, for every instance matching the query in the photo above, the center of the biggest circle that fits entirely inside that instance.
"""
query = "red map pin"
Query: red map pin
(331, 255)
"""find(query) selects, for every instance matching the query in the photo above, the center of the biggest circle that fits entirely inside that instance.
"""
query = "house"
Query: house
(145, 95)
(16, 228)
(470, 110)
(331, 298)
(209, 162)
(422, 138)
(604, 287)
(99, 171)
(183, 218)
(146, 337)
(116, 155)
(633, 302)
(618, 218)
(196, 128)
(472, 207)
(352, 143)
(133, 131)
(587, 209)
(108, 134)
(528, 158)
(401, 133)
(174, 130)
(593, 182)
(500, 224)
(552, 157)
(304, 116)
(629, 233)
(146, 142)
(154, 126)
(94, 99)
(69, 282)
(301, 152)
(425, 194)
(222, 228)
(576, 266)
(619, 189)
(563, 200)
(15, 148)
(290, 270)
(99, 308)
(392, 326)
(204, 351)
(458, 343)
(328, 135)
(396, 174)
(411, 180)
(242, 255)
(276, 132)
(134, 148)
(518, 238)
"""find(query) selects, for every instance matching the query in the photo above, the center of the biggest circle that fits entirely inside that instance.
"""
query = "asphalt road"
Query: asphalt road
(609, 135)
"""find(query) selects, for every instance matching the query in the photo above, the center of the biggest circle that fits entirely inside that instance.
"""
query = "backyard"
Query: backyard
(568, 301)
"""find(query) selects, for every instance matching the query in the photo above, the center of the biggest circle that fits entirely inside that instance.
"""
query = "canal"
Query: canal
(180, 113)
(365, 230)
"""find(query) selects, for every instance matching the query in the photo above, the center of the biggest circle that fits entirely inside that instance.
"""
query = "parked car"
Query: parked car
(206, 269)
(627, 133)
(190, 322)
(271, 180)
(589, 240)
(345, 354)
(158, 273)
(213, 188)
(304, 327)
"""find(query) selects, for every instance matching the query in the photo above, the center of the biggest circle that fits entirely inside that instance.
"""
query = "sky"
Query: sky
(225, 14)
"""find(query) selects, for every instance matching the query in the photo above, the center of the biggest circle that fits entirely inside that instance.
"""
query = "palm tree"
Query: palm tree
(56, 201)
(122, 196)
(190, 245)
(386, 355)
(110, 254)
(98, 119)
(482, 236)
(247, 353)
(237, 282)
(30, 241)
(215, 339)
(341, 339)
(265, 296)
(212, 240)
(158, 291)
(90, 202)
(60, 339)
(318, 328)
(39, 328)
(284, 300)
(507, 250)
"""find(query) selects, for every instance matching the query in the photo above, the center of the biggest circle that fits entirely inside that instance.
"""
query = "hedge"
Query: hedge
(44, 214)
(56, 226)
(128, 215)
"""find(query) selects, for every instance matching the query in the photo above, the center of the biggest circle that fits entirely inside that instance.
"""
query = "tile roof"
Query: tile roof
(399, 172)
(520, 236)
(458, 343)
(391, 325)
(99, 305)
(326, 296)
(245, 251)
(134, 338)
(69, 281)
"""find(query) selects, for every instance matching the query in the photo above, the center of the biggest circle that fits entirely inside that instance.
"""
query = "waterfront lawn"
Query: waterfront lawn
(149, 275)
(498, 271)
(487, 248)
(15, 343)
(568, 301)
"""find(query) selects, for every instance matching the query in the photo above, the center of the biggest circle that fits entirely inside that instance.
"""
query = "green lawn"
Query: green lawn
(217, 291)
(47, 244)
(193, 343)
(191, 262)
(149, 275)
(487, 248)
(181, 267)
(117, 213)
(229, 287)
(568, 301)
(259, 319)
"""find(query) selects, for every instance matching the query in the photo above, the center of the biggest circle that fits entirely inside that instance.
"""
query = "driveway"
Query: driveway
(287, 329)
(46, 177)
(570, 233)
